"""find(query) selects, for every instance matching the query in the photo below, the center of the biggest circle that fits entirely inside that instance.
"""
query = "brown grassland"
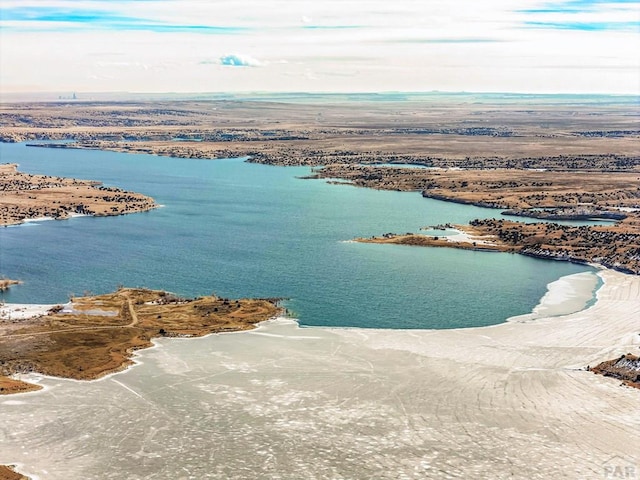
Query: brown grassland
(100, 333)
(25, 196)
(7, 473)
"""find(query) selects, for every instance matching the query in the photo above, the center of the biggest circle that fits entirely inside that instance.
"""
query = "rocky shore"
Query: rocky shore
(284, 154)
(617, 250)
(625, 368)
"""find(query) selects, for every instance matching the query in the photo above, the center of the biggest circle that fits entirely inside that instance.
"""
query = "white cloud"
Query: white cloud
(236, 60)
(401, 45)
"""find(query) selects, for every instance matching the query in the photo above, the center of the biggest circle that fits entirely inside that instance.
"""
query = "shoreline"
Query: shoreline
(510, 377)
(562, 295)
(23, 311)
(30, 310)
(26, 197)
(561, 288)
(100, 335)
(470, 237)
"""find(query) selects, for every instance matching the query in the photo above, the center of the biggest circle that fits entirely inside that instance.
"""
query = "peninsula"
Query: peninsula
(26, 197)
(92, 336)
(550, 195)
(5, 283)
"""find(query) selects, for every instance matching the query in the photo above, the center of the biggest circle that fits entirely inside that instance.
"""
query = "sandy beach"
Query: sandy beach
(508, 401)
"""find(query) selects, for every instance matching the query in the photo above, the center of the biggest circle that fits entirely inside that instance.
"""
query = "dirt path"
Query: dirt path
(134, 321)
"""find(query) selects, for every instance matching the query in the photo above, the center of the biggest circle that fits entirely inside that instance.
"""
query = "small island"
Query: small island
(92, 336)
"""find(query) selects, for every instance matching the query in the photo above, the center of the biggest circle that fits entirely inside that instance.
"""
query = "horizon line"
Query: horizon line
(76, 95)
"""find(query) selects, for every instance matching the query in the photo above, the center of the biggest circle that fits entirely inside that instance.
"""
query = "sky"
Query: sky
(525, 46)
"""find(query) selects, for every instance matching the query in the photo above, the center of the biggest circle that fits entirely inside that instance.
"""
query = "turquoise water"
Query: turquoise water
(242, 229)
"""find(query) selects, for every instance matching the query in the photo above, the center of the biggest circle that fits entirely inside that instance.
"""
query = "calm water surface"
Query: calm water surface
(240, 229)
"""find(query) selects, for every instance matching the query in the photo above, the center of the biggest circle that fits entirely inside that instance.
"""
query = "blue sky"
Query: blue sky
(573, 46)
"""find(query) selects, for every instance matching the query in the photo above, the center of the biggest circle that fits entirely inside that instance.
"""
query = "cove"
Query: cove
(247, 230)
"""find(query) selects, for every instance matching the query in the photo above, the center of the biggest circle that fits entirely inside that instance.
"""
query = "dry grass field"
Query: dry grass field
(7, 473)
(24, 196)
(438, 133)
(97, 335)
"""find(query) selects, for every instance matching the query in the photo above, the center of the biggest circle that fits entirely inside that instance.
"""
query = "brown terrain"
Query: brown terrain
(6, 473)
(434, 132)
(10, 385)
(24, 196)
(96, 335)
(625, 368)
(548, 160)
(5, 283)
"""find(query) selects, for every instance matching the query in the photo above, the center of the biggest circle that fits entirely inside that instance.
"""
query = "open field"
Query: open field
(93, 336)
(582, 193)
(435, 133)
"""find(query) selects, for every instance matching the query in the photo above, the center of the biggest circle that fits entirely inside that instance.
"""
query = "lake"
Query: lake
(248, 230)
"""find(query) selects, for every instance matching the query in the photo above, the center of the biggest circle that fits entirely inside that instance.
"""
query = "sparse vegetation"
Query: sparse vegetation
(25, 196)
(102, 332)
